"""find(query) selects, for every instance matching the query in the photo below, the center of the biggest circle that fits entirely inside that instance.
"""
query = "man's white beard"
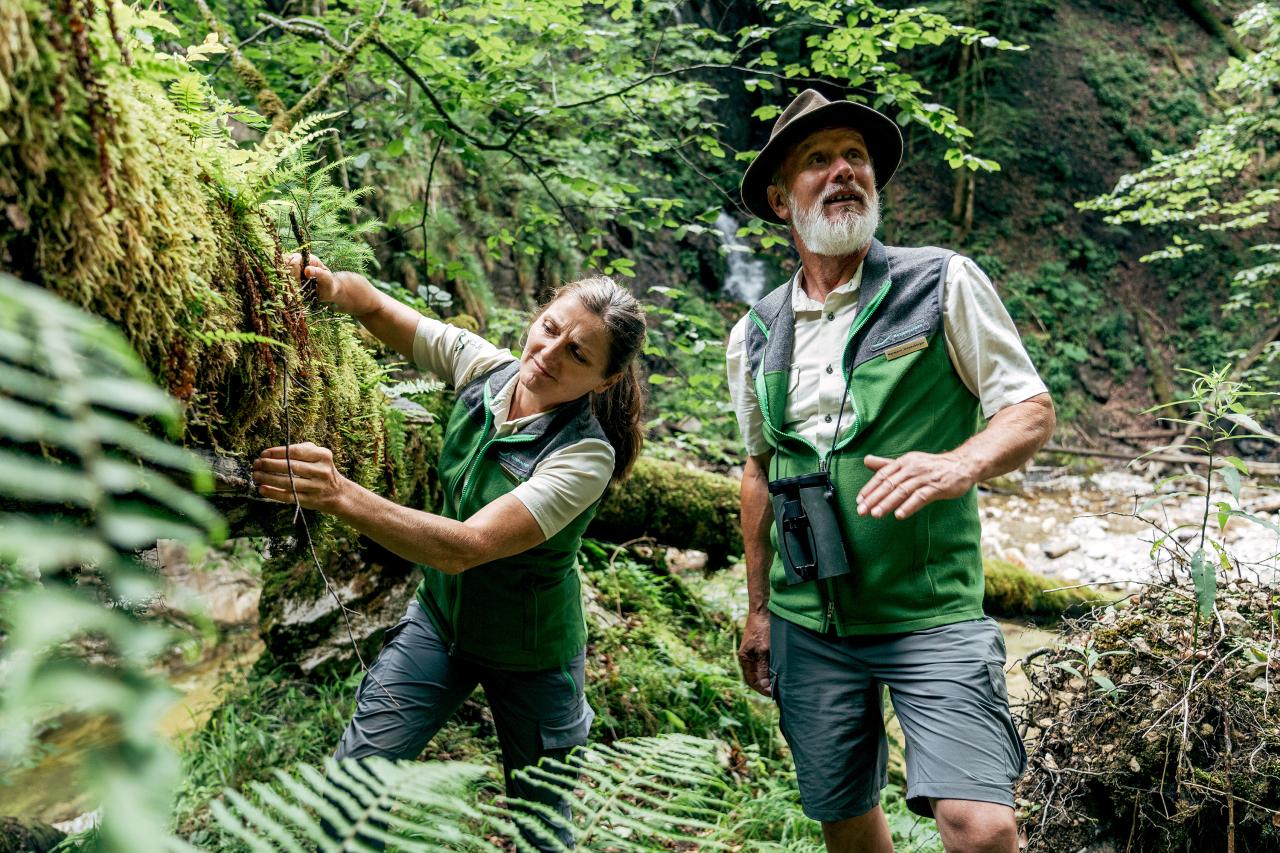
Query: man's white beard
(842, 236)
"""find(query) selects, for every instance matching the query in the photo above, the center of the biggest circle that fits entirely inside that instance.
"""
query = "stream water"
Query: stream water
(1081, 529)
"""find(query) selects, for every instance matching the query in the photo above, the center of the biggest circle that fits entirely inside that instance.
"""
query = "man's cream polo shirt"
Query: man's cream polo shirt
(980, 337)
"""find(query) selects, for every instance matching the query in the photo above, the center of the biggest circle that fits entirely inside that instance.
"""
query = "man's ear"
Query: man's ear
(778, 201)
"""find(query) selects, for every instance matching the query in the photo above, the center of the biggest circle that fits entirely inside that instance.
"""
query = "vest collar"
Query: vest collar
(775, 316)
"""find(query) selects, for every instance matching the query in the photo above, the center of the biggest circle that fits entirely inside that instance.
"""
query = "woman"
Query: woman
(529, 449)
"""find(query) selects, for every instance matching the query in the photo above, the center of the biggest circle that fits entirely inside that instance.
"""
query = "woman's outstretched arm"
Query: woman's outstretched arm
(499, 529)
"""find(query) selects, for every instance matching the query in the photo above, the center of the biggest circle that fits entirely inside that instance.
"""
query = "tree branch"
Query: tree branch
(269, 103)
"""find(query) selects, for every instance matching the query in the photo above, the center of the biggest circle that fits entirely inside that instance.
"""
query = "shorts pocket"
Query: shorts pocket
(995, 672)
(569, 730)
(390, 633)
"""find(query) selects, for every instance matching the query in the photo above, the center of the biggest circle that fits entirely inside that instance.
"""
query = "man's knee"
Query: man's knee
(968, 826)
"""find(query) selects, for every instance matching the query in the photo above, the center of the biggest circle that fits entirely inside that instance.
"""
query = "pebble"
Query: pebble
(1054, 550)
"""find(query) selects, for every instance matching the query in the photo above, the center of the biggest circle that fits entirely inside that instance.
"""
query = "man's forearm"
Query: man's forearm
(1012, 436)
(757, 517)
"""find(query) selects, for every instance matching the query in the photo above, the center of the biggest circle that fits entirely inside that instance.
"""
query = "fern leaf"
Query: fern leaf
(221, 336)
(412, 386)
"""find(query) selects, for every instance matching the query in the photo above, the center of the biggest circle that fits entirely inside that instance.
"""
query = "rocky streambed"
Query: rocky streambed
(1099, 529)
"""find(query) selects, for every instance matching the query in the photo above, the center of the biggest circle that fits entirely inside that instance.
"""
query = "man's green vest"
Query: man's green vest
(522, 612)
(904, 395)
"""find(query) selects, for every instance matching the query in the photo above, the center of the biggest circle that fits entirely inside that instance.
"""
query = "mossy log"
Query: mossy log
(1015, 592)
(676, 506)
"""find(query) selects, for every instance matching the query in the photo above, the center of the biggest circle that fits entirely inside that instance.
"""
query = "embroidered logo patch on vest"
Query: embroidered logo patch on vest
(906, 348)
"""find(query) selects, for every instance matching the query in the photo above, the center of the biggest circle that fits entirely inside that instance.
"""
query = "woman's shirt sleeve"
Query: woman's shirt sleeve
(454, 354)
(566, 483)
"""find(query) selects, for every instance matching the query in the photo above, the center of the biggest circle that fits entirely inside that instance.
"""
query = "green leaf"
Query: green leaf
(1108, 686)
(1231, 478)
(1237, 463)
(1204, 576)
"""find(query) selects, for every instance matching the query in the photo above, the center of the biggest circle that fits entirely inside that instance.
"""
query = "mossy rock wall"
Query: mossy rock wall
(119, 200)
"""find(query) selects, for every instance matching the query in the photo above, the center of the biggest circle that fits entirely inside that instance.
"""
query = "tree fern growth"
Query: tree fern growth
(636, 795)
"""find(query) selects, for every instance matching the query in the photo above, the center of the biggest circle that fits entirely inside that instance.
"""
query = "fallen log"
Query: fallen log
(1257, 469)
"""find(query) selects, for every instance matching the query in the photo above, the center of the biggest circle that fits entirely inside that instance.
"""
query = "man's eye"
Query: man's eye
(546, 325)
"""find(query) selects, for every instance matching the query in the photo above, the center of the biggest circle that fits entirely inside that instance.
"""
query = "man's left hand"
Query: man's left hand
(913, 480)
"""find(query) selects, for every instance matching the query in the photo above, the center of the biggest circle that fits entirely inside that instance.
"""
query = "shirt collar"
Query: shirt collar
(801, 301)
(500, 405)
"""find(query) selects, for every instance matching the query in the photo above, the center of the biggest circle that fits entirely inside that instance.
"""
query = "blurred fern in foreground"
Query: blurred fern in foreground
(80, 494)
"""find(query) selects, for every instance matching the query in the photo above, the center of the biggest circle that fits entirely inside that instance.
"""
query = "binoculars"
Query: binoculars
(809, 539)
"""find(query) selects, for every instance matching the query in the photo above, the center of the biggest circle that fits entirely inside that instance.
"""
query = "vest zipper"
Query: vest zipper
(466, 482)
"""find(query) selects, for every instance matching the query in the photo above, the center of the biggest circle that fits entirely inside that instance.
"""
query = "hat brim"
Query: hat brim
(881, 134)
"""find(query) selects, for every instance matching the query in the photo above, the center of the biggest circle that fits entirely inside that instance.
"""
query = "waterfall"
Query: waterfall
(745, 280)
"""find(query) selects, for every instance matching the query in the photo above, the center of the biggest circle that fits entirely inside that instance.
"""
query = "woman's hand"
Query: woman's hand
(350, 292)
(314, 480)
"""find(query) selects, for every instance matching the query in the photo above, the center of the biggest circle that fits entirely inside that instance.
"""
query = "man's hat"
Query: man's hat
(808, 113)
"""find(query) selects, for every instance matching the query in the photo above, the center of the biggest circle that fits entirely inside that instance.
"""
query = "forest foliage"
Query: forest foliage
(156, 165)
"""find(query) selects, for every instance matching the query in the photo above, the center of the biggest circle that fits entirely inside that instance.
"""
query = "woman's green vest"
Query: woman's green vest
(522, 612)
(904, 395)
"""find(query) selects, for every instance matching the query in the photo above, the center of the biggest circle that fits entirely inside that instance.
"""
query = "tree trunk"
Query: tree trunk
(1205, 17)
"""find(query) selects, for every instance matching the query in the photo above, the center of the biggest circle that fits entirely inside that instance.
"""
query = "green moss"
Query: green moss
(149, 225)
(677, 506)
(1013, 591)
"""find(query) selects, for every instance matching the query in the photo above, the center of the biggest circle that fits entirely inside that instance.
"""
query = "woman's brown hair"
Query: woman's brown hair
(619, 408)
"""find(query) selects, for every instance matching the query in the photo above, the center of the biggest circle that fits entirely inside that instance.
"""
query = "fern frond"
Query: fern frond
(415, 806)
(412, 386)
(639, 794)
(221, 336)
(636, 795)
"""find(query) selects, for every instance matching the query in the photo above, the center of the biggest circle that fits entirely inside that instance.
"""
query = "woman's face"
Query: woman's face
(566, 354)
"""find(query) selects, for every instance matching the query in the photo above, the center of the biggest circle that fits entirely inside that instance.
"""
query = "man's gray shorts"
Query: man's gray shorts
(948, 690)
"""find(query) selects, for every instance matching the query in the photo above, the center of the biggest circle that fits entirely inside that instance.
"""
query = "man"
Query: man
(871, 368)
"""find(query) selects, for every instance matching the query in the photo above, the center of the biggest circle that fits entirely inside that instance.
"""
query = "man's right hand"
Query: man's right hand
(753, 654)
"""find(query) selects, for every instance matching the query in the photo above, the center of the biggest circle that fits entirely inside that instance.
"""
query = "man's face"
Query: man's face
(830, 196)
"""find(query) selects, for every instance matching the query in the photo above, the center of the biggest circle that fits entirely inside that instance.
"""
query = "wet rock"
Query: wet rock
(219, 586)
(1015, 556)
(78, 824)
(20, 835)
(685, 562)
(1054, 550)
(302, 622)
(690, 425)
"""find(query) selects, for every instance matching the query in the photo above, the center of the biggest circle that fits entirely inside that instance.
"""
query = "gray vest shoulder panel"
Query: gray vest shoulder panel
(911, 309)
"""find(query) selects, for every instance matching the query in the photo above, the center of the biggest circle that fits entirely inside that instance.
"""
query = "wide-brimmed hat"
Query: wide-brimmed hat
(808, 113)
